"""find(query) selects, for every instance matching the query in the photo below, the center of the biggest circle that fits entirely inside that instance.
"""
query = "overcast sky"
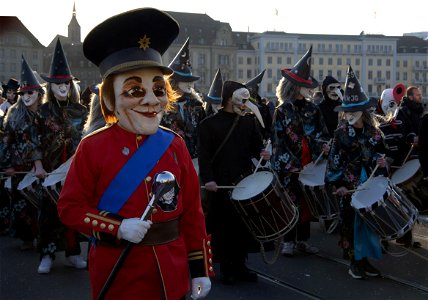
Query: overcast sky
(46, 18)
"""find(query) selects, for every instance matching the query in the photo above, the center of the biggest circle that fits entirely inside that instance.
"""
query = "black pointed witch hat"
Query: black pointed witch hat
(354, 99)
(253, 84)
(300, 74)
(182, 66)
(214, 94)
(29, 81)
(60, 70)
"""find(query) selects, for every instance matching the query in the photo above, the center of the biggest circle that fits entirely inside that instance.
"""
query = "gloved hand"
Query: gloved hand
(240, 94)
(201, 286)
(133, 230)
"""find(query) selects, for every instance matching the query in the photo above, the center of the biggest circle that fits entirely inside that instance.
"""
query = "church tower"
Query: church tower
(74, 28)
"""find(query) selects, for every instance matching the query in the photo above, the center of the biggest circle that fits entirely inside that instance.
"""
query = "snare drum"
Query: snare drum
(264, 206)
(322, 203)
(54, 182)
(384, 208)
(29, 187)
(409, 178)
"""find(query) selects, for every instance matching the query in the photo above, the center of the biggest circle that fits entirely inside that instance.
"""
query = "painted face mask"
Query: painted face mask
(388, 104)
(305, 92)
(353, 117)
(333, 91)
(240, 103)
(61, 90)
(186, 87)
(29, 98)
(140, 100)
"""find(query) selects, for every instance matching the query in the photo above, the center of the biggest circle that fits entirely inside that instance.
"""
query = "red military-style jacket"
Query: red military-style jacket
(150, 271)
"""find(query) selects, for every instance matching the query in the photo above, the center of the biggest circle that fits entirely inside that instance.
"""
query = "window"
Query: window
(240, 74)
(330, 61)
(370, 88)
(370, 75)
(269, 88)
(201, 59)
(321, 61)
(405, 76)
(249, 74)
(388, 62)
(379, 74)
(357, 61)
(370, 62)
(321, 74)
(397, 64)
(397, 76)
(405, 64)
(339, 61)
(248, 60)
(388, 75)
(269, 73)
(339, 74)
(348, 61)
(379, 62)
(357, 73)
(269, 60)
(288, 60)
(330, 73)
(279, 60)
(240, 60)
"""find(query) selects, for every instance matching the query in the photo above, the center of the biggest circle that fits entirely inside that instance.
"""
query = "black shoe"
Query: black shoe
(414, 245)
(356, 270)
(369, 269)
(227, 279)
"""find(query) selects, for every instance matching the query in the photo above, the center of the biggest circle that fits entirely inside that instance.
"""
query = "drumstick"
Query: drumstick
(322, 153)
(375, 169)
(21, 172)
(351, 191)
(408, 154)
(261, 158)
(225, 187)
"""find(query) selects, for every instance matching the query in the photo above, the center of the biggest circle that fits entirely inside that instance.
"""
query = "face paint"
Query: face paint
(60, 90)
(333, 91)
(186, 87)
(353, 117)
(29, 98)
(140, 100)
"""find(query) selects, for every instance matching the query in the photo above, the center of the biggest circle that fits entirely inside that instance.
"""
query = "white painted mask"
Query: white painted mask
(388, 104)
(30, 97)
(61, 90)
(333, 91)
(186, 87)
(353, 117)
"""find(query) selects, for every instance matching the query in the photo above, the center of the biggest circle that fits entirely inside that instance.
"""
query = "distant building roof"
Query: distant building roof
(9, 23)
(411, 44)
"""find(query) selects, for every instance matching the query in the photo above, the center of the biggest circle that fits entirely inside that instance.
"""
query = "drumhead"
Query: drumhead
(406, 171)
(252, 185)
(313, 175)
(27, 181)
(196, 164)
(58, 175)
(369, 192)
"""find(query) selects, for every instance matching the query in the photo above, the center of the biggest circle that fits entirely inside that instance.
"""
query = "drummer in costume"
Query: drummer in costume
(18, 153)
(299, 137)
(358, 146)
(228, 141)
(188, 110)
(332, 97)
(59, 124)
(213, 99)
(98, 198)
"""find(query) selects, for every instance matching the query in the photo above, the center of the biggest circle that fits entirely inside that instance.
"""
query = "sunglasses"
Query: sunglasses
(139, 92)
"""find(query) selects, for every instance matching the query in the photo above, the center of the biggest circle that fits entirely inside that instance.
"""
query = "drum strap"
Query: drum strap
(235, 122)
(135, 171)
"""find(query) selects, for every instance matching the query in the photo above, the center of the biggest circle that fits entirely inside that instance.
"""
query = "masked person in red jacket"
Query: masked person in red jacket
(110, 181)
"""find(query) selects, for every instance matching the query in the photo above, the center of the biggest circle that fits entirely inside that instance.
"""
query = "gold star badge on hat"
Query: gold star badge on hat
(144, 42)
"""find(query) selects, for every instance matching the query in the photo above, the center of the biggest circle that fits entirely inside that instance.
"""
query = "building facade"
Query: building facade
(379, 61)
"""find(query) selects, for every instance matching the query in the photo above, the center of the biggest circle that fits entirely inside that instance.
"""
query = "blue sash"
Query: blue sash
(135, 171)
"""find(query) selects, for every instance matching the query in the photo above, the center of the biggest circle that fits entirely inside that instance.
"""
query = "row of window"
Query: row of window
(339, 48)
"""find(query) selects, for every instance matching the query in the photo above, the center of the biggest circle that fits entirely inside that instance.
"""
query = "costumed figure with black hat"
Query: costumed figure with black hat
(253, 86)
(188, 109)
(228, 140)
(299, 138)
(332, 97)
(398, 149)
(59, 124)
(357, 150)
(9, 93)
(17, 156)
(118, 172)
(213, 98)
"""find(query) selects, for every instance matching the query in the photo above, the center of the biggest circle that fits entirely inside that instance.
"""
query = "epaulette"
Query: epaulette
(107, 126)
